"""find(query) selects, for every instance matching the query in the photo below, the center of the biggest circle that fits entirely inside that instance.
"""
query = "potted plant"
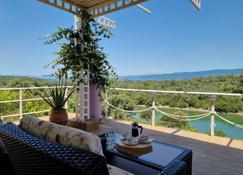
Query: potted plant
(57, 97)
(80, 49)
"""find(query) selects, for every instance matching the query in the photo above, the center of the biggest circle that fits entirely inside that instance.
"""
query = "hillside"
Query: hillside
(22, 81)
(183, 75)
(229, 84)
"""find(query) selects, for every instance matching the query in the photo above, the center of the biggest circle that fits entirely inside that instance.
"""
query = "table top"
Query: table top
(134, 150)
(162, 154)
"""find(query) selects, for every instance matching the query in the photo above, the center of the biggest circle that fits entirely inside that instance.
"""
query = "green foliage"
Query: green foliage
(21, 81)
(56, 97)
(241, 78)
(146, 115)
(130, 100)
(28, 106)
(228, 104)
(218, 133)
(228, 84)
(172, 123)
(122, 102)
(81, 50)
(236, 118)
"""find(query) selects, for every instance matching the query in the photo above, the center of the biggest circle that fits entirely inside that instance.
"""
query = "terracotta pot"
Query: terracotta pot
(59, 116)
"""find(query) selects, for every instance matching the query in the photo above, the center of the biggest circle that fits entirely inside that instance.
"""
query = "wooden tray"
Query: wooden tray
(88, 125)
(135, 150)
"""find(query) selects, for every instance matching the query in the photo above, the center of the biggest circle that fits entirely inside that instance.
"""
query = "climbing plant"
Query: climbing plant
(80, 49)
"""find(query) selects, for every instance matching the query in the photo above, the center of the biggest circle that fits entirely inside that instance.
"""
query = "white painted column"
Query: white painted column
(212, 123)
(77, 26)
(20, 103)
(153, 112)
(82, 106)
(106, 105)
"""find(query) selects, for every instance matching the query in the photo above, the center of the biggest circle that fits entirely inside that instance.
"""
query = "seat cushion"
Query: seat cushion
(117, 171)
(30, 155)
(60, 134)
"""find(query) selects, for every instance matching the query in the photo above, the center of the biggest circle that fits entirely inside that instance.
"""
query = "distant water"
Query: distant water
(203, 126)
(231, 131)
(183, 75)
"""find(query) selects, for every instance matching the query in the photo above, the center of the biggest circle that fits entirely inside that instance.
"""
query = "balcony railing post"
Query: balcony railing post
(153, 111)
(212, 124)
(20, 103)
(66, 95)
(106, 105)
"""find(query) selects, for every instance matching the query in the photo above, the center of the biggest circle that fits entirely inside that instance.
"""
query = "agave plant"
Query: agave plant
(56, 97)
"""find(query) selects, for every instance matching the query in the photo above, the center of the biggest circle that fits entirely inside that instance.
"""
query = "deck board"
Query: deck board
(211, 155)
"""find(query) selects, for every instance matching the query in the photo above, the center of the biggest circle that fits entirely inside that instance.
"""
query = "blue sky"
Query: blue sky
(175, 38)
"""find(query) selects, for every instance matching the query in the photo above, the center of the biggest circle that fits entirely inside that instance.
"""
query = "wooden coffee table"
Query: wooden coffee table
(161, 156)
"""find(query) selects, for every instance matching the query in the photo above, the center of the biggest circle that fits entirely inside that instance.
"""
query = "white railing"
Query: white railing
(153, 107)
(20, 100)
(212, 113)
(179, 92)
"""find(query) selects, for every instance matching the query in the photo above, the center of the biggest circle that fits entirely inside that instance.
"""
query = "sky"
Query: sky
(175, 38)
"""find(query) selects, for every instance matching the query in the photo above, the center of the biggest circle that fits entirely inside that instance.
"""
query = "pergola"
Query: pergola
(87, 101)
(99, 7)
(94, 7)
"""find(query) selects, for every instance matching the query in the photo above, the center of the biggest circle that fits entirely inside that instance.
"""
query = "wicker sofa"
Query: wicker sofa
(24, 152)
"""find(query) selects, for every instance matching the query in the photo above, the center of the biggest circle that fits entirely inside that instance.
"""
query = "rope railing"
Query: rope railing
(183, 119)
(179, 117)
(230, 122)
(176, 117)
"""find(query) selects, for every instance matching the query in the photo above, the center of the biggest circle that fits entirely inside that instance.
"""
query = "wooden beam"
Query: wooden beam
(97, 10)
(65, 5)
(111, 6)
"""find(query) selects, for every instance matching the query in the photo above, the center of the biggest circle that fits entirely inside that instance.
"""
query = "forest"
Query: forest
(229, 107)
(226, 84)
(131, 100)
(17, 82)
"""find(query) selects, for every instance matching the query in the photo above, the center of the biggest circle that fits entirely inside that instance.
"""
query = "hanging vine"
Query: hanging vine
(83, 46)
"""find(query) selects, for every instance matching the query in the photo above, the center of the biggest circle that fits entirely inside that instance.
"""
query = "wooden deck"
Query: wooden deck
(211, 155)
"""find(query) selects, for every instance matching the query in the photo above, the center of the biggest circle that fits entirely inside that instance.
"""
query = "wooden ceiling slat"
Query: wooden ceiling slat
(111, 6)
(95, 7)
